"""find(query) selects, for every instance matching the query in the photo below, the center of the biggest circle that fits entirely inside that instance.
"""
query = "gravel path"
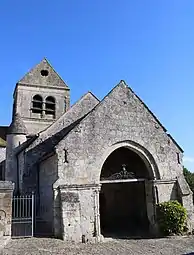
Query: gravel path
(45, 246)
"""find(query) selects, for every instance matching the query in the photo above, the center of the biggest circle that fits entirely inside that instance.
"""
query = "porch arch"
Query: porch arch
(144, 154)
(126, 177)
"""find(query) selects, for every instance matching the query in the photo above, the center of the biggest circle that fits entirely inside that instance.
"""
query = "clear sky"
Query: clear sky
(93, 44)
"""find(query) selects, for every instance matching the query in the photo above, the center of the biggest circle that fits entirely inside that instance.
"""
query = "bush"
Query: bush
(171, 217)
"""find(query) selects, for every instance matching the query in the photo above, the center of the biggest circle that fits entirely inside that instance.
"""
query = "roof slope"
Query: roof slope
(17, 126)
(84, 105)
(47, 145)
(39, 146)
(124, 85)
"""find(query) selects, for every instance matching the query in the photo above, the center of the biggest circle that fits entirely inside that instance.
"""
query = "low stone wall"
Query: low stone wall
(76, 213)
(6, 192)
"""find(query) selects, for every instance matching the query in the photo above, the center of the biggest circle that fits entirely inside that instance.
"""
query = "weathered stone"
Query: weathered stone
(6, 192)
(42, 80)
(65, 159)
(17, 126)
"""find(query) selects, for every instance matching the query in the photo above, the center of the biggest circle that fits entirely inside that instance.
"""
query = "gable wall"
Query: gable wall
(34, 76)
(119, 117)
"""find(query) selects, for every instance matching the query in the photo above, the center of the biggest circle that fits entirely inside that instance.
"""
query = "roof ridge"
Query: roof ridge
(123, 83)
(158, 121)
(48, 62)
(70, 109)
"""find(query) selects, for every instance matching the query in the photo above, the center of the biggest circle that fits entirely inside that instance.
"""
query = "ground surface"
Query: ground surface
(167, 246)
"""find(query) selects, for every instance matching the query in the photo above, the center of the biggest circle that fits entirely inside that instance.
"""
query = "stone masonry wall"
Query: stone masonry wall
(2, 162)
(24, 105)
(78, 213)
(47, 176)
(2, 153)
(167, 190)
(121, 117)
(78, 110)
(13, 141)
(40, 146)
(6, 191)
(44, 81)
(21, 166)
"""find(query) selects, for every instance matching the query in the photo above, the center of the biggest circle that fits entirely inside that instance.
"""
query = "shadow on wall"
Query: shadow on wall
(34, 155)
(145, 236)
(191, 253)
(174, 193)
(47, 146)
(39, 178)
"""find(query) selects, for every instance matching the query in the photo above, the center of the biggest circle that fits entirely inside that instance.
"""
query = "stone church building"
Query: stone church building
(98, 168)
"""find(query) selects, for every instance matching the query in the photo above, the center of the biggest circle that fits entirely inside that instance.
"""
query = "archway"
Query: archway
(123, 204)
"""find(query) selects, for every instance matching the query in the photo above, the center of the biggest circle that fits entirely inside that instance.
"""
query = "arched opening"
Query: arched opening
(123, 205)
(37, 104)
(50, 106)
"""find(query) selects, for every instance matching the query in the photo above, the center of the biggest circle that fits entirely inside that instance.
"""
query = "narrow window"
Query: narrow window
(37, 104)
(65, 156)
(50, 106)
(178, 158)
(14, 109)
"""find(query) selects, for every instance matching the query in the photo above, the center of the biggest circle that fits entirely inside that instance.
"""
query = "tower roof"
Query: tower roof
(43, 74)
(17, 126)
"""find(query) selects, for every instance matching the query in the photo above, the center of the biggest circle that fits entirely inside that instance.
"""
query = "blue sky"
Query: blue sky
(93, 44)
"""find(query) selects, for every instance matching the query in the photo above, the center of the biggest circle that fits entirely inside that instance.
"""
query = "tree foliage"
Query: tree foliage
(171, 217)
(189, 176)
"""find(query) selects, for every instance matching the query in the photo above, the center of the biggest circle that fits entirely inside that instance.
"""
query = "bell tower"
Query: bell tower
(40, 97)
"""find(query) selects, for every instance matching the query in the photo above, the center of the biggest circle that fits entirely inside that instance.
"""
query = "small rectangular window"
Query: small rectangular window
(65, 156)
(178, 158)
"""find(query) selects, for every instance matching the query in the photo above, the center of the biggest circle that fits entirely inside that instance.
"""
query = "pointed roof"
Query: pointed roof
(43, 74)
(17, 126)
(122, 84)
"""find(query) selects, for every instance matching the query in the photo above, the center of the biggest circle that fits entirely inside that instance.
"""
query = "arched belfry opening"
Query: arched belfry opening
(123, 203)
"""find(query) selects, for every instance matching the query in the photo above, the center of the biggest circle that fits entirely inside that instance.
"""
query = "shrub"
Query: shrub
(171, 217)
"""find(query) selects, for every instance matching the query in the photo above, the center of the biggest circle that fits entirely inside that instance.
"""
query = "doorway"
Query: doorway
(123, 206)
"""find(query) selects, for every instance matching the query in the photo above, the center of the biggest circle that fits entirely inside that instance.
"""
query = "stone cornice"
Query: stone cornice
(41, 86)
(6, 185)
(79, 186)
(163, 181)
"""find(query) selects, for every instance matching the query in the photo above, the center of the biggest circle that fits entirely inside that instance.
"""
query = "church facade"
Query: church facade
(98, 168)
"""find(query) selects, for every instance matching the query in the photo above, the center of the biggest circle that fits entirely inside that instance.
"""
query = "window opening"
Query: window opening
(50, 106)
(37, 104)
